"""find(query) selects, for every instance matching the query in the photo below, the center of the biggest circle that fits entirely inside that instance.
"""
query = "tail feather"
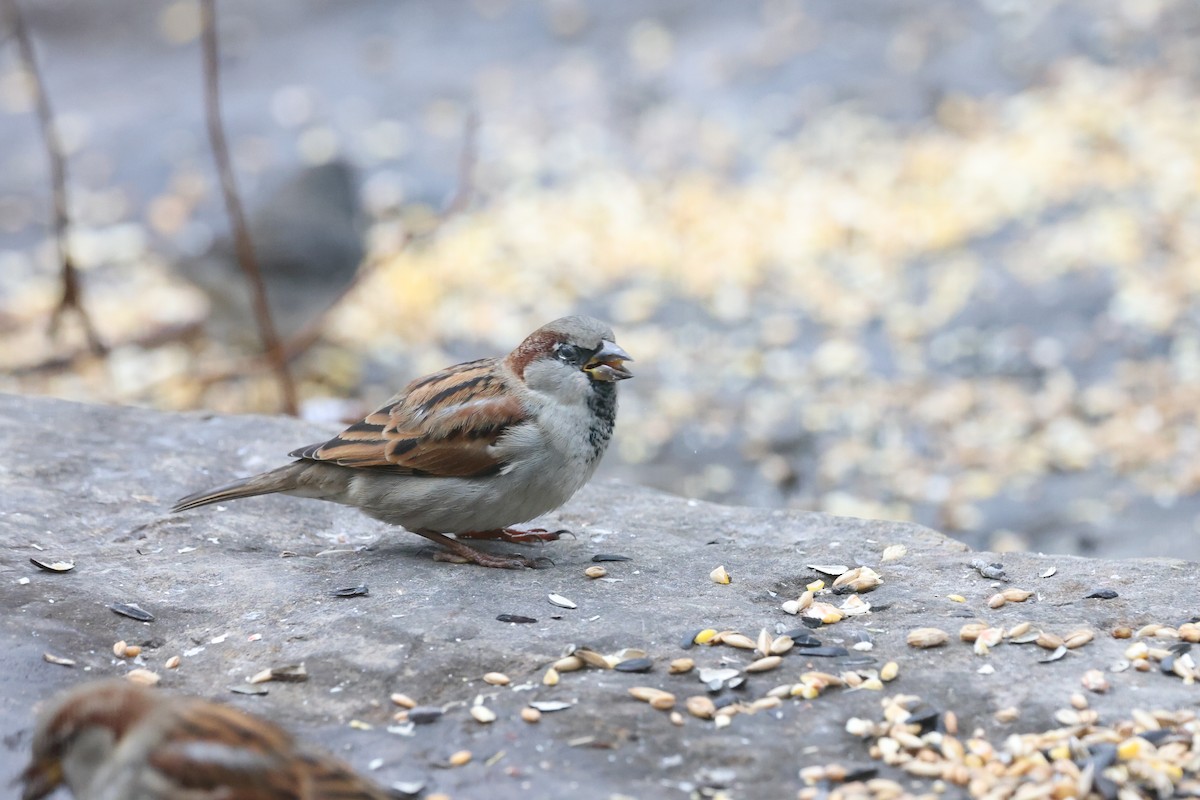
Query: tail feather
(279, 480)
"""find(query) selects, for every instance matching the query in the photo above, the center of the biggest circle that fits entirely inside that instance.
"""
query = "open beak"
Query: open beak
(40, 779)
(608, 363)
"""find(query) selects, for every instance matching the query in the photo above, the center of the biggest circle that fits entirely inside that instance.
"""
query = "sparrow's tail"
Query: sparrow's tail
(283, 479)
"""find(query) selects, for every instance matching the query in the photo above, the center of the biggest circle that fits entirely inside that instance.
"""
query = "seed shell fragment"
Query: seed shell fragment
(350, 591)
(926, 637)
(560, 601)
(603, 557)
(548, 706)
(133, 611)
(517, 618)
(720, 575)
(50, 658)
(53, 566)
(1101, 594)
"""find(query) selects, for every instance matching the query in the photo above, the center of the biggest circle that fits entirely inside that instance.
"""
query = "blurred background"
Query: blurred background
(932, 260)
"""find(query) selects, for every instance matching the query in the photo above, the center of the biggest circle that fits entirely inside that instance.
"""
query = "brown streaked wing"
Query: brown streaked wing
(233, 755)
(326, 778)
(442, 425)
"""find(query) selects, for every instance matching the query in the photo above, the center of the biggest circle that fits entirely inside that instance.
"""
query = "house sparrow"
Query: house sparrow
(116, 740)
(472, 449)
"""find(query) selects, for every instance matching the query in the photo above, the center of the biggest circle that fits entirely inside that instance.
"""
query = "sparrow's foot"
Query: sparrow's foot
(516, 535)
(460, 553)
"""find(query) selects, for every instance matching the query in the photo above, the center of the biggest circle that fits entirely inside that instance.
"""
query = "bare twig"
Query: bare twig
(243, 246)
(303, 339)
(466, 170)
(71, 298)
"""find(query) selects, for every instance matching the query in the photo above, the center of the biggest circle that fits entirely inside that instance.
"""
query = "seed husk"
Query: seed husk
(825, 612)
(1015, 595)
(595, 572)
(764, 664)
(700, 706)
(645, 693)
(53, 566)
(483, 714)
(738, 640)
(997, 600)
(1058, 653)
(971, 630)
(460, 758)
(781, 645)
(133, 611)
(50, 658)
(119, 649)
(403, 700)
(592, 658)
(833, 570)
(1049, 641)
(926, 637)
(530, 714)
(1009, 714)
(1019, 630)
(560, 601)
(720, 575)
(861, 579)
(634, 665)
(889, 671)
(496, 679)
(1078, 638)
(172, 662)
(1101, 594)
(1094, 681)
(143, 677)
(570, 664)
(548, 706)
(551, 677)
(603, 557)
(762, 643)
(515, 618)
(351, 591)
(246, 688)
(664, 702)
(893, 552)
(680, 666)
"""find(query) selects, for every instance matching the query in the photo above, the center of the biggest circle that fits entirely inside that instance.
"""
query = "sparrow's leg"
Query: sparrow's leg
(457, 551)
(515, 535)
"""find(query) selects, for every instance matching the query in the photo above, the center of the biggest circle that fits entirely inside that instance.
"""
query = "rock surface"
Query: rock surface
(235, 590)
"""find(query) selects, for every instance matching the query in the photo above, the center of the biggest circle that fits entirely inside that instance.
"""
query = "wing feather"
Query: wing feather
(446, 424)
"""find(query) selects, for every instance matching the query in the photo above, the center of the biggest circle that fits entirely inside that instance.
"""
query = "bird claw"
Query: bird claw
(492, 560)
(516, 536)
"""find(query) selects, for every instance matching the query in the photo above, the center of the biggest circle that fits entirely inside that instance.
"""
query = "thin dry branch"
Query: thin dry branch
(72, 296)
(308, 335)
(243, 246)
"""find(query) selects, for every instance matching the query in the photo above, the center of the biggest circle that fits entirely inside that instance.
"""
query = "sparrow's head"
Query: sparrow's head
(78, 731)
(572, 351)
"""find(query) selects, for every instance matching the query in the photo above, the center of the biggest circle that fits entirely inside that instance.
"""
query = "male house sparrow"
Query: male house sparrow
(115, 740)
(472, 449)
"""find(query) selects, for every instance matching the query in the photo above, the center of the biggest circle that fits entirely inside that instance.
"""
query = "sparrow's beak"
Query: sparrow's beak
(607, 363)
(40, 779)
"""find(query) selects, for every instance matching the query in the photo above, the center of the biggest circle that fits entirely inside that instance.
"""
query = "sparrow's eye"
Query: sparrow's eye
(569, 353)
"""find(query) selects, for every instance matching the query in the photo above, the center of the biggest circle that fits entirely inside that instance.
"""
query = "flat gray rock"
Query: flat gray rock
(237, 589)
